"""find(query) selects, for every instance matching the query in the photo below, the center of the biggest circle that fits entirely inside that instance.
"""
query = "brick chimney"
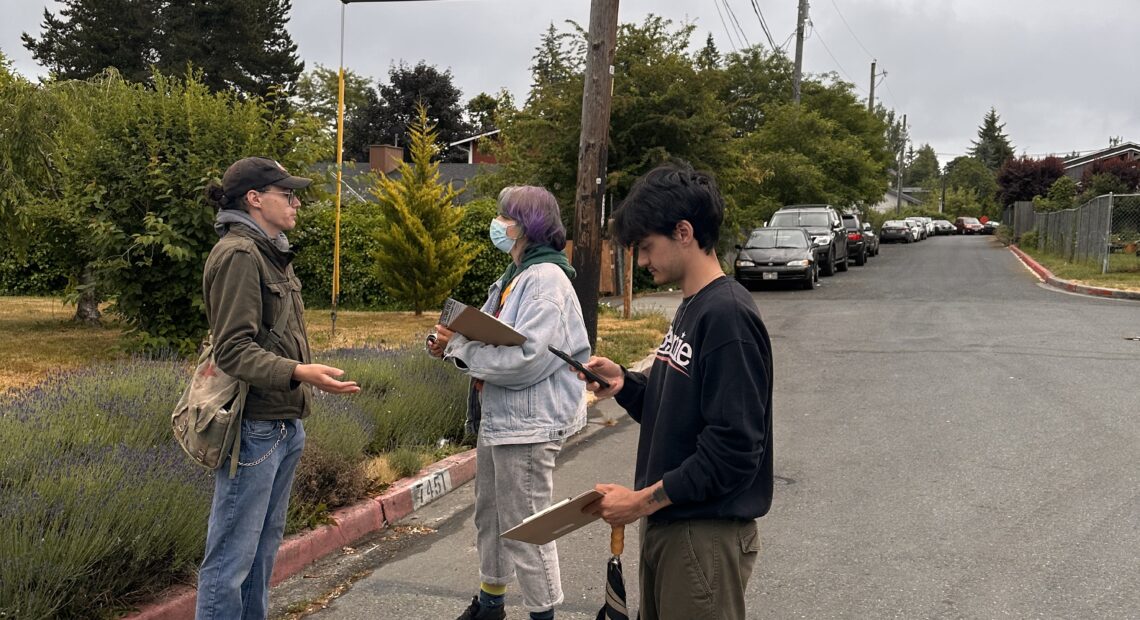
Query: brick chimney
(384, 158)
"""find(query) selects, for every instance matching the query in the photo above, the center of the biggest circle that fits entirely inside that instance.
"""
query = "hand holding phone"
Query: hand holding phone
(590, 375)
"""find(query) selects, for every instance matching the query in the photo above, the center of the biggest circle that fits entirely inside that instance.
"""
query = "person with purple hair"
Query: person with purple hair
(524, 402)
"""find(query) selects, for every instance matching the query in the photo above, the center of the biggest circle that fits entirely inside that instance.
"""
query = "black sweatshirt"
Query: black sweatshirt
(705, 409)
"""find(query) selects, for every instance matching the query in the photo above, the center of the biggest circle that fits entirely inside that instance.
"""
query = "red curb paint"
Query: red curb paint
(350, 524)
(1068, 285)
(177, 604)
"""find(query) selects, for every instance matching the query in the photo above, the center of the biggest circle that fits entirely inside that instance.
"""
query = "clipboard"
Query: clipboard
(556, 521)
(475, 324)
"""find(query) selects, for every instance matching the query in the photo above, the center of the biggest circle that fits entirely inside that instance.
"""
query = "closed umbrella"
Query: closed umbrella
(615, 605)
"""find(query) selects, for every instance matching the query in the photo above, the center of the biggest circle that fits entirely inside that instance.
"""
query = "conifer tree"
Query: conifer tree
(992, 147)
(234, 44)
(420, 257)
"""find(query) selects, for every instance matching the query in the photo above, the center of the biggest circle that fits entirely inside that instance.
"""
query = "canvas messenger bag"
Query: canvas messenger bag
(207, 419)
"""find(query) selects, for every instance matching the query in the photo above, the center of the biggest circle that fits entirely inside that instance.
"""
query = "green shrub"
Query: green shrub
(360, 289)
(130, 163)
(405, 461)
(1028, 240)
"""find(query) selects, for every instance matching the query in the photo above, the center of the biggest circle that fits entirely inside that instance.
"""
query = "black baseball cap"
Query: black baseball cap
(256, 173)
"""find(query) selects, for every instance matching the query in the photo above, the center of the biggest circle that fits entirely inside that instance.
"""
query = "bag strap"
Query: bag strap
(243, 391)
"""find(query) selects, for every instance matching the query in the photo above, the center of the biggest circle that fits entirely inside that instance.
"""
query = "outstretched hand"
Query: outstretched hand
(324, 378)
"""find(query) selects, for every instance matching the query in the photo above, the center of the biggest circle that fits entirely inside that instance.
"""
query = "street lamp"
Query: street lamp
(340, 158)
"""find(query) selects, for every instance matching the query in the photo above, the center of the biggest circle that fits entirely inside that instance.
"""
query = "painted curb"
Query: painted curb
(349, 524)
(1068, 285)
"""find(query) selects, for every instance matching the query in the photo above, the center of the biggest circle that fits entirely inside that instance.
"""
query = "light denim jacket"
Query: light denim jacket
(529, 395)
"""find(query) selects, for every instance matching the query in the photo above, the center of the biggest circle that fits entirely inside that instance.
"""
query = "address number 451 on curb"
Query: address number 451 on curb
(430, 488)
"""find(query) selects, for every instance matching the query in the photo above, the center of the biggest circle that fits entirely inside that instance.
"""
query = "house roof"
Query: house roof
(359, 180)
(1112, 151)
(907, 198)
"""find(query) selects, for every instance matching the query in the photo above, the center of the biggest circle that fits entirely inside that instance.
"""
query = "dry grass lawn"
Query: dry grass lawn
(40, 337)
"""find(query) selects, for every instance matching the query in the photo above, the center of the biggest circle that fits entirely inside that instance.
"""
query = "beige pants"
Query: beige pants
(696, 570)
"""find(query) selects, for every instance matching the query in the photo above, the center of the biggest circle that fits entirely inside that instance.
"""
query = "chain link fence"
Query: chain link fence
(1103, 231)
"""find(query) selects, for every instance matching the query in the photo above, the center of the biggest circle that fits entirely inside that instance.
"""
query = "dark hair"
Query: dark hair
(536, 210)
(217, 197)
(663, 197)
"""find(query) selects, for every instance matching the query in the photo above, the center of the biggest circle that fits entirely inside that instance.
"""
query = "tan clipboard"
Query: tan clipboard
(478, 325)
(554, 522)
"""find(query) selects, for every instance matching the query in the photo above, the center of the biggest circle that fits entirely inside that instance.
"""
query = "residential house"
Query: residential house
(1075, 166)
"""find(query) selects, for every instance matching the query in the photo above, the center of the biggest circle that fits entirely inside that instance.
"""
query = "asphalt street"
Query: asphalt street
(953, 440)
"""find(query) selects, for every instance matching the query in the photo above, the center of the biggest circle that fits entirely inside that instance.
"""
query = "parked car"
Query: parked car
(824, 227)
(777, 254)
(856, 244)
(872, 239)
(927, 224)
(990, 227)
(896, 230)
(918, 227)
(968, 225)
(944, 227)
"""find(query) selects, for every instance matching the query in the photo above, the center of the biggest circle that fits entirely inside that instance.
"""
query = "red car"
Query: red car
(968, 226)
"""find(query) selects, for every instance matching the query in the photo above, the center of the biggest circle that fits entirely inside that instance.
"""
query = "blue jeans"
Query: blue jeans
(247, 521)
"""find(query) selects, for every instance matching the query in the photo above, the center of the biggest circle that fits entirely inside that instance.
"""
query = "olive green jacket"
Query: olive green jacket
(244, 285)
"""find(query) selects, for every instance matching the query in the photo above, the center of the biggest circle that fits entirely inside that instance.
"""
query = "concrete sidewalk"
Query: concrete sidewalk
(1068, 285)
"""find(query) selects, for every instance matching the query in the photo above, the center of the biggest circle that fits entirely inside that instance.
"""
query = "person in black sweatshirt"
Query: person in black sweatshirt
(704, 456)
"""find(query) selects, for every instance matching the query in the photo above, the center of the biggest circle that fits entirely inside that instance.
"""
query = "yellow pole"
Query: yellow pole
(339, 174)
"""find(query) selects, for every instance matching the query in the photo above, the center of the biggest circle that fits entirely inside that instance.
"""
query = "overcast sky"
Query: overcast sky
(1062, 75)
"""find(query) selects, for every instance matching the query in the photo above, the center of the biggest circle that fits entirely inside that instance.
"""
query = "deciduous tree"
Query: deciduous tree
(1025, 178)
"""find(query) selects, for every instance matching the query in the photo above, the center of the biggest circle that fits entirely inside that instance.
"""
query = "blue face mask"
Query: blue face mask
(499, 236)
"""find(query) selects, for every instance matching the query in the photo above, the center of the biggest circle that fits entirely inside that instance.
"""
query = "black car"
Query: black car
(871, 238)
(857, 248)
(824, 227)
(896, 230)
(777, 254)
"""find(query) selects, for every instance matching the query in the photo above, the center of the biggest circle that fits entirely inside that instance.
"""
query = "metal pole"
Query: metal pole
(899, 176)
(339, 174)
(1107, 236)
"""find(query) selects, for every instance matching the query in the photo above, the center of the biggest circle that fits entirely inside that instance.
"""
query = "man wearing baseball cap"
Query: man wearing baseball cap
(249, 287)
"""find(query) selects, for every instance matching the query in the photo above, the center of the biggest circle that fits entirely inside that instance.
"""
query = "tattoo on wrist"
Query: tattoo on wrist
(658, 496)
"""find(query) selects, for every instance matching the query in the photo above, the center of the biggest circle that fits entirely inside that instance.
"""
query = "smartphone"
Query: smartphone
(590, 375)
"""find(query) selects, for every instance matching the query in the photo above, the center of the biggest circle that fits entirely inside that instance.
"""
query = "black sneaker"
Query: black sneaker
(475, 611)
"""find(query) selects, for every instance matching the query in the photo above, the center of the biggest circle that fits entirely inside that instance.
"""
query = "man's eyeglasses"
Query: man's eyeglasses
(288, 194)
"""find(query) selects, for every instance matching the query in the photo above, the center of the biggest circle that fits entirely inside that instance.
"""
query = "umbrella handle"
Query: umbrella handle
(617, 539)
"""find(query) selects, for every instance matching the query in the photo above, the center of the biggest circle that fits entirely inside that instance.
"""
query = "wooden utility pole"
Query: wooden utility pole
(902, 151)
(871, 99)
(592, 147)
(797, 76)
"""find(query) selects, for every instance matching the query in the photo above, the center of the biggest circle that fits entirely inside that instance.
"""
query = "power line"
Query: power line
(833, 58)
(732, 16)
(763, 24)
(853, 35)
(716, 3)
